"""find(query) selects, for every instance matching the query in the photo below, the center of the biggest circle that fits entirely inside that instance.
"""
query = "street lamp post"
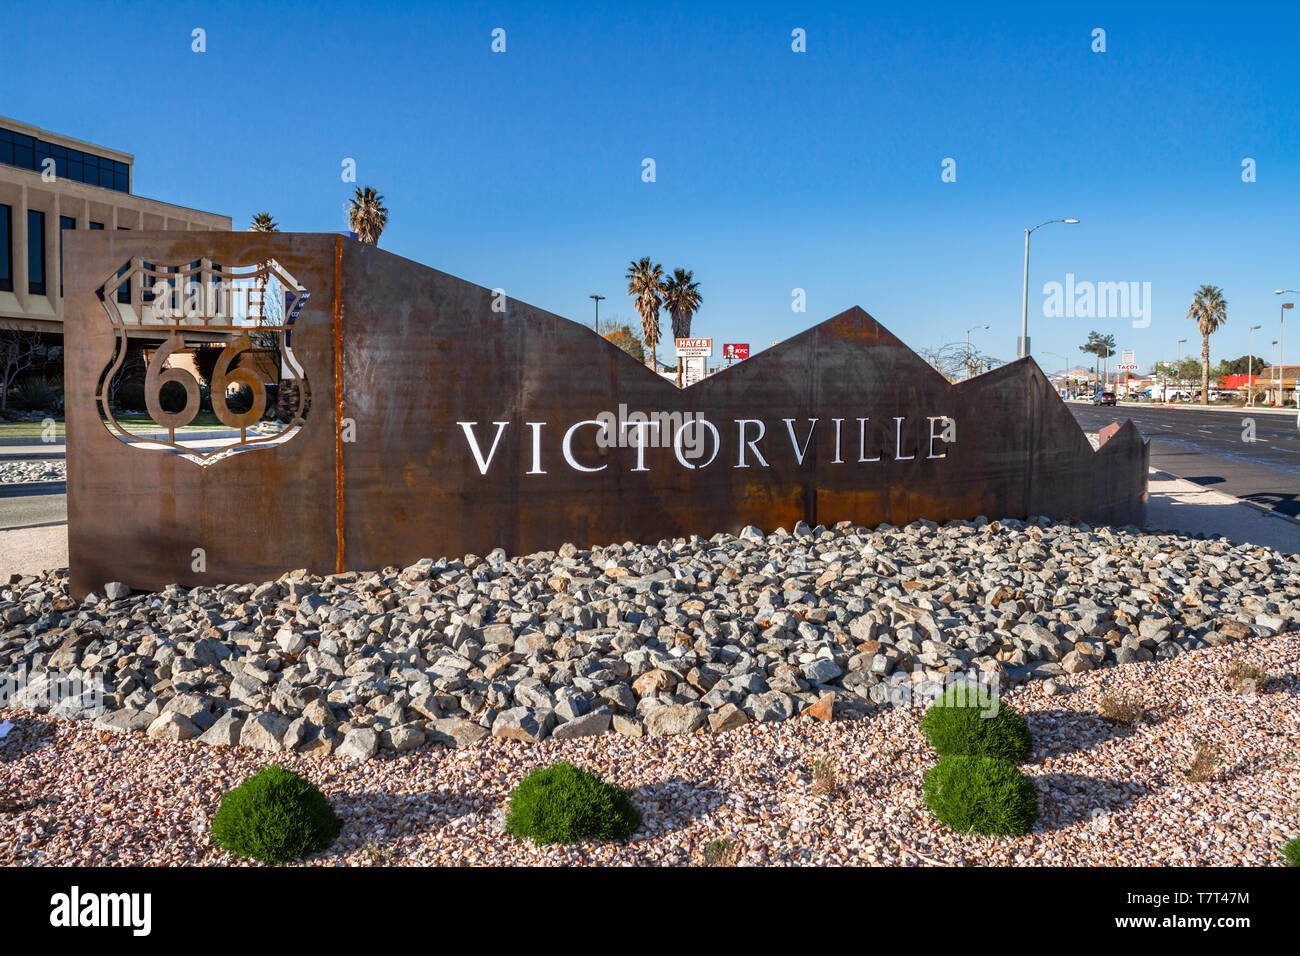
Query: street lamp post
(1063, 359)
(597, 298)
(1022, 348)
(1178, 368)
(1272, 372)
(1281, 342)
(967, 356)
(1250, 360)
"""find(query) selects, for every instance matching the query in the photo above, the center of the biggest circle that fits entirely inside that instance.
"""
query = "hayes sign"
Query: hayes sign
(694, 348)
(444, 419)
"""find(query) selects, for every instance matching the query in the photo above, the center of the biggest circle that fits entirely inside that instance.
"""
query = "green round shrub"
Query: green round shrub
(562, 804)
(274, 816)
(986, 795)
(967, 721)
(1292, 852)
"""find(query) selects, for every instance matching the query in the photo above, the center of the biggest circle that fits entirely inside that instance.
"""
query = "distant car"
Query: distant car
(1104, 398)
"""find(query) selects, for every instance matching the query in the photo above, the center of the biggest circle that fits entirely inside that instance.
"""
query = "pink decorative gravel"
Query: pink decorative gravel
(1109, 795)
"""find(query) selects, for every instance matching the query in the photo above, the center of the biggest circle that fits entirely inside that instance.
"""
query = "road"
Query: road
(33, 503)
(1207, 446)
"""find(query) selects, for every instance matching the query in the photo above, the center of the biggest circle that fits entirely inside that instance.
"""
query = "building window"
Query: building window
(96, 225)
(24, 151)
(27, 152)
(65, 222)
(6, 249)
(35, 252)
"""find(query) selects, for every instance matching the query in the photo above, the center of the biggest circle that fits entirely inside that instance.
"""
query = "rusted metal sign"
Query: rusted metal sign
(424, 421)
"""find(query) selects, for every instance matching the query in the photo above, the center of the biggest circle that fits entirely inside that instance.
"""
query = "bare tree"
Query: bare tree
(133, 369)
(957, 360)
(19, 350)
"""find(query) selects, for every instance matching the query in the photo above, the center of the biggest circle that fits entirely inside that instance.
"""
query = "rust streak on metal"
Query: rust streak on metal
(338, 403)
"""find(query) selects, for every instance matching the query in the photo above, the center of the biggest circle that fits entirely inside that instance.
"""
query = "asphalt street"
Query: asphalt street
(1209, 447)
(33, 503)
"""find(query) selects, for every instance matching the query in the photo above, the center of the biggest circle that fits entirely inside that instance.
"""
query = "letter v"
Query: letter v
(800, 452)
(474, 447)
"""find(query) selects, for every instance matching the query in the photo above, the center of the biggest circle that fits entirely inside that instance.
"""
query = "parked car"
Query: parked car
(1103, 398)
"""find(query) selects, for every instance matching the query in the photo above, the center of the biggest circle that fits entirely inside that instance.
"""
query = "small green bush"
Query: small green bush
(1292, 852)
(274, 816)
(562, 804)
(969, 722)
(986, 795)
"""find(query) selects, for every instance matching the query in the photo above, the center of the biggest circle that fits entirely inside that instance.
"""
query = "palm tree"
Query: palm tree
(1103, 347)
(682, 300)
(262, 222)
(646, 283)
(1210, 310)
(367, 215)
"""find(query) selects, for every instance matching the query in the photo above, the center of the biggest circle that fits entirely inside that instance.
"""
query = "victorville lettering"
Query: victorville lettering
(736, 443)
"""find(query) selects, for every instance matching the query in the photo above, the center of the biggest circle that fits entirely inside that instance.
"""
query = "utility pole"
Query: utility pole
(1281, 353)
(597, 298)
(1250, 364)
(1178, 366)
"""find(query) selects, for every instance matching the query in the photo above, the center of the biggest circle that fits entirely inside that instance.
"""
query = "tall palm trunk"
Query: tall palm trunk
(1205, 369)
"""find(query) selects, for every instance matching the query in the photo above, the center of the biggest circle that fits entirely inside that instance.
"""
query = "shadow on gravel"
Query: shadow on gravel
(25, 736)
(1069, 798)
(673, 804)
(1059, 732)
(401, 815)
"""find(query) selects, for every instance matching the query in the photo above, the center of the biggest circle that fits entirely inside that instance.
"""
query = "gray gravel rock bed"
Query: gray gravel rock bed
(21, 470)
(670, 638)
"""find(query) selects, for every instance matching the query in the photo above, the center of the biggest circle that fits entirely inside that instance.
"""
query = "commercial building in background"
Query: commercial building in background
(49, 183)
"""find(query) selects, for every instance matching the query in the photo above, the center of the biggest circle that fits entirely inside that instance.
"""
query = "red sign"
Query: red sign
(735, 350)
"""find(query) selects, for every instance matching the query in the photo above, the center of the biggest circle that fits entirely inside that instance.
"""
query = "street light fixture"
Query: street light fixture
(1250, 360)
(597, 298)
(973, 328)
(1022, 348)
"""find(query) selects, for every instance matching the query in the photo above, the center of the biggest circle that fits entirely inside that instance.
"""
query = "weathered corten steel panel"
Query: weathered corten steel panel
(136, 515)
(461, 429)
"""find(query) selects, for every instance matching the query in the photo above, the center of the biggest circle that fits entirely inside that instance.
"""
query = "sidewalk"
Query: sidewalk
(28, 550)
(1176, 504)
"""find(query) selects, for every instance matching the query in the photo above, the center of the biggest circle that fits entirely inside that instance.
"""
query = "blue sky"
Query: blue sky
(775, 170)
